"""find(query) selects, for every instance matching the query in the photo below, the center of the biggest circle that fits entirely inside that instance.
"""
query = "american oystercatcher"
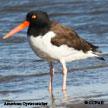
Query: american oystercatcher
(52, 41)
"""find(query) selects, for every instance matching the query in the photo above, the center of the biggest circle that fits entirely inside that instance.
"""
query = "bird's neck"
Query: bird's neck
(38, 30)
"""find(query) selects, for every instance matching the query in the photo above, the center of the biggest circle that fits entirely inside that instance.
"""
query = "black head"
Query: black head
(39, 23)
(38, 18)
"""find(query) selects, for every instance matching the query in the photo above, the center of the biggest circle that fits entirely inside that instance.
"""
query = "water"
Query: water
(25, 77)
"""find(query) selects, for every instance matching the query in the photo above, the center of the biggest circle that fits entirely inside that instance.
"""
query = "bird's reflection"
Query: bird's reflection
(53, 97)
(65, 94)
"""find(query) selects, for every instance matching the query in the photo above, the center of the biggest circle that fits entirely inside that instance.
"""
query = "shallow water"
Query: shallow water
(25, 77)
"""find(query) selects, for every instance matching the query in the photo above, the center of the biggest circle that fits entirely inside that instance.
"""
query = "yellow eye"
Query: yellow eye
(34, 16)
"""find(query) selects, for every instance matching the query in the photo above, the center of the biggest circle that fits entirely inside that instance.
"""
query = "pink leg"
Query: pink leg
(64, 75)
(51, 75)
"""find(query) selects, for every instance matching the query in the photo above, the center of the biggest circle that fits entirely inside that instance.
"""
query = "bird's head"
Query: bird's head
(33, 18)
(37, 18)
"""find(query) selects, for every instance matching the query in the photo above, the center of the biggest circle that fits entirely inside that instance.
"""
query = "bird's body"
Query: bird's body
(61, 43)
(54, 45)
(52, 41)
(43, 47)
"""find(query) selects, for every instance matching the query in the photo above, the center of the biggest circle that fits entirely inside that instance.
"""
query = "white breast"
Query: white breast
(43, 47)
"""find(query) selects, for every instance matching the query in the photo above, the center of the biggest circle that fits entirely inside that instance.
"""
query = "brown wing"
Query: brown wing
(67, 36)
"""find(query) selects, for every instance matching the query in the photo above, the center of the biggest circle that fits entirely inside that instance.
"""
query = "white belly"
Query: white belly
(43, 47)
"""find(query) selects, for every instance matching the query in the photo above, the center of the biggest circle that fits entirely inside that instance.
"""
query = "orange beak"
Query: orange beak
(17, 29)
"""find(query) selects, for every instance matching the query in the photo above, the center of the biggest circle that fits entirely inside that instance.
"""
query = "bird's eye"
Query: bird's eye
(34, 16)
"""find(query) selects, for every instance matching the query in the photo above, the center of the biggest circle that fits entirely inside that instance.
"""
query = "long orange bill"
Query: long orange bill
(17, 29)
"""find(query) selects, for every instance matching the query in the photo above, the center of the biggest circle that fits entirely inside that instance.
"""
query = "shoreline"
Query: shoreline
(81, 105)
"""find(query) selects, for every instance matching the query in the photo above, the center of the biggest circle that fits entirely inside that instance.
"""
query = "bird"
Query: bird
(52, 41)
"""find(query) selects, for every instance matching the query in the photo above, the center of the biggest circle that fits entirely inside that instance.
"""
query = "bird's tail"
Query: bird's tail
(99, 57)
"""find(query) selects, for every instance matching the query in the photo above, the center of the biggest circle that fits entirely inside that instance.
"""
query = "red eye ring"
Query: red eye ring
(34, 16)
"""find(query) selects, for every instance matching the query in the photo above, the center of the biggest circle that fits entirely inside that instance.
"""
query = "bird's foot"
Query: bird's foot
(63, 89)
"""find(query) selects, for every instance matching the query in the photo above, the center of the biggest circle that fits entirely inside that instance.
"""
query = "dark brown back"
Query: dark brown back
(67, 36)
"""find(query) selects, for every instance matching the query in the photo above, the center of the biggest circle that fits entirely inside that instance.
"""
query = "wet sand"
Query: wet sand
(84, 106)
(25, 77)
